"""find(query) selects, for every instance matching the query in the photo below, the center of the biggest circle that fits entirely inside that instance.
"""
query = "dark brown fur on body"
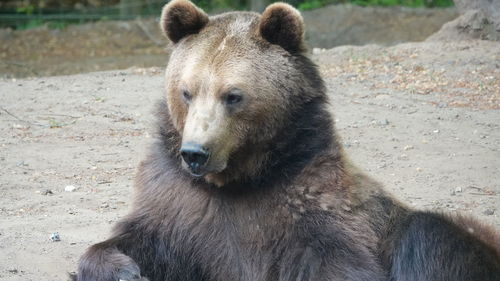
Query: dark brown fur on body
(288, 205)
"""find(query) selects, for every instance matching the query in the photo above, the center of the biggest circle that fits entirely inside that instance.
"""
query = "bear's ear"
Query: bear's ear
(180, 18)
(283, 25)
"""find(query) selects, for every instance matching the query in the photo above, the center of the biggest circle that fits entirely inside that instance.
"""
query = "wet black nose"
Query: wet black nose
(195, 156)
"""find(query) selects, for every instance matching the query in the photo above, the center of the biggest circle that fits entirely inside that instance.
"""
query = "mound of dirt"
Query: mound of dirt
(479, 19)
(338, 25)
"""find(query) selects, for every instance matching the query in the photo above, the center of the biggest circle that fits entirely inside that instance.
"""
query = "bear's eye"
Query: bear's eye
(187, 96)
(232, 98)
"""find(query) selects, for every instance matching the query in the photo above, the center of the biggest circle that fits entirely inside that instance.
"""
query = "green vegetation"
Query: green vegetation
(314, 4)
(408, 3)
(34, 23)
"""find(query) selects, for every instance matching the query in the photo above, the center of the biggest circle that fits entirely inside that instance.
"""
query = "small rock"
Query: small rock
(382, 96)
(384, 122)
(55, 237)
(435, 131)
(19, 126)
(489, 212)
(46, 192)
(458, 189)
(317, 51)
(408, 147)
(22, 164)
(403, 157)
(13, 271)
(419, 169)
(70, 188)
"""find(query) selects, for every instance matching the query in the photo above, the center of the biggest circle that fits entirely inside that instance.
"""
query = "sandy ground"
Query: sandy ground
(423, 118)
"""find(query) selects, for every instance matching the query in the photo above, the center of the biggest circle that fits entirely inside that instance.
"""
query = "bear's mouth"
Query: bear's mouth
(199, 172)
(194, 171)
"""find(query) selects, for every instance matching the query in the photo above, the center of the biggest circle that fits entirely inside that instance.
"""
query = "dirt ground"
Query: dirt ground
(423, 118)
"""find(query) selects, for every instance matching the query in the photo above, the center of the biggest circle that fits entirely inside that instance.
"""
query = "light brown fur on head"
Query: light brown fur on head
(246, 54)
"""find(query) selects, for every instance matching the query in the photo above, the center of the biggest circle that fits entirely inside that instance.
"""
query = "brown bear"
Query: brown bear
(247, 180)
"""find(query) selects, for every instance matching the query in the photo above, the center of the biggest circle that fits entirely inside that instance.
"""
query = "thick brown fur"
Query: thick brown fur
(182, 19)
(282, 26)
(278, 199)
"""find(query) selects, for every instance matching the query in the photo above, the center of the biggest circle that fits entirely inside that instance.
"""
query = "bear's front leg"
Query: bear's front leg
(104, 262)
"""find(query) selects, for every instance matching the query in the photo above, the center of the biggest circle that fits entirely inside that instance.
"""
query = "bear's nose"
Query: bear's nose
(195, 157)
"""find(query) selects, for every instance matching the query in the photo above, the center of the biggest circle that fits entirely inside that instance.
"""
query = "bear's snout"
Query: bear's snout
(195, 156)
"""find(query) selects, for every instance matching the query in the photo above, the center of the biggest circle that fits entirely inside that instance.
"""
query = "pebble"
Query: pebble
(384, 122)
(435, 131)
(408, 147)
(403, 157)
(55, 237)
(458, 189)
(46, 192)
(70, 188)
(317, 51)
(489, 212)
(19, 126)
(382, 96)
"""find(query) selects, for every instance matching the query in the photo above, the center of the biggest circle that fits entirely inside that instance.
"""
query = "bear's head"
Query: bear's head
(234, 85)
